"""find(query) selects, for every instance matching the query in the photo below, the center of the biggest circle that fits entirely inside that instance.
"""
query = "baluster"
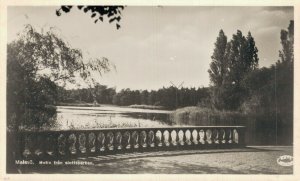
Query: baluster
(215, 135)
(195, 136)
(235, 136)
(166, 138)
(151, 138)
(72, 143)
(174, 138)
(20, 145)
(61, 144)
(223, 136)
(39, 145)
(87, 144)
(135, 139)
(208, 136)
(82, 143)
(158, 137)
(91, 142)
(188, 137)
(110, 141)
(33, 144)
(67, 144)
(119, 140)
(229, 136)
(27, 145)
(56, 146)
(50, 145)
(101, 141)
(202, 136)
(127, 140)
(143, 138)
(181, 137)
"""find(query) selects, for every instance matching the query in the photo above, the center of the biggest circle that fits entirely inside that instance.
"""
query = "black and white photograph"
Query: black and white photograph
(156, 89)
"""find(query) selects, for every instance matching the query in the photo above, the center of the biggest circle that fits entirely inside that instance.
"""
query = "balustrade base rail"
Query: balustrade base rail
(49, 145)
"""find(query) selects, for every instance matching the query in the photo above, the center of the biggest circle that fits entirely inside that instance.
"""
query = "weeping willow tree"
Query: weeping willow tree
(37, 62)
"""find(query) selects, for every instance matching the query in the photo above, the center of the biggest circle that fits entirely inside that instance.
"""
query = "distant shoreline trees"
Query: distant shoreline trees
(165, 97)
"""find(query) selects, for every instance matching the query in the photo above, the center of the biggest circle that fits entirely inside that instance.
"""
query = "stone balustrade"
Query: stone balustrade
(76, 143)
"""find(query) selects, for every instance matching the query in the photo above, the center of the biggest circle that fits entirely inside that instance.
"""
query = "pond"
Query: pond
(71, 117)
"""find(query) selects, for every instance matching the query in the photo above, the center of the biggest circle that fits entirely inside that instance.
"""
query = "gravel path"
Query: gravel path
(251, 160)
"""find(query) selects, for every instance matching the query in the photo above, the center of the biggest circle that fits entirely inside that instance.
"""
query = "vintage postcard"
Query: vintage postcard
(195, 90)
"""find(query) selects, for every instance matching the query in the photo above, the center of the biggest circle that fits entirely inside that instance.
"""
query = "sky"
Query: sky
(159, 45)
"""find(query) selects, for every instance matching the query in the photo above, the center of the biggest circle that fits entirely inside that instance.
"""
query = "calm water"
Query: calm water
(70, 117)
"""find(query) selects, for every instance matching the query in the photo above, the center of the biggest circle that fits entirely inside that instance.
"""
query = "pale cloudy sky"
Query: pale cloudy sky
(156, 45)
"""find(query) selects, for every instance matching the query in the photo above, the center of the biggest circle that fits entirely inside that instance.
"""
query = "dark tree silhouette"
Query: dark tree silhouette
(287, 42)
(231, 61)
(242, 57)
(271, 93)
(113, 13)
(219, 65)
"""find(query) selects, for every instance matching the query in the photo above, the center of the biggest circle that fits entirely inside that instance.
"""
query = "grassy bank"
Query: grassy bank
(206, 117)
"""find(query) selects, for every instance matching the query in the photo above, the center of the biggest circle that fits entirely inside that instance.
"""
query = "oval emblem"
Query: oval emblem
(285, 160)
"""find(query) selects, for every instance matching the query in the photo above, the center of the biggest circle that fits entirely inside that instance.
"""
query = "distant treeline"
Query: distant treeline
(169, 98)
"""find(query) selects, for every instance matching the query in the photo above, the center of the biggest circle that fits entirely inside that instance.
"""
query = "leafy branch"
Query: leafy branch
(98, 13)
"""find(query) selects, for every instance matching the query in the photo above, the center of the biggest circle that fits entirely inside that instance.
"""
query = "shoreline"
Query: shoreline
(137, 106)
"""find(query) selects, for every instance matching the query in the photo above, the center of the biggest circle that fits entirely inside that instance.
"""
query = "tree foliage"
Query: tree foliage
(231, 61)
(287, 42)
(242, 57)
(98, 13)
(271, 93)
(36, 63)
(263, 94)
(268, 85)
(219, 64)
(46, 54)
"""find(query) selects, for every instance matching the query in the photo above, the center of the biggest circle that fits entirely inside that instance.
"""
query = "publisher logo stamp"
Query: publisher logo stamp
(285, 160)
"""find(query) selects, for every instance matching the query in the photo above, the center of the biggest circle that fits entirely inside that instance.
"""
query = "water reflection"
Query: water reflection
(160, 117)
